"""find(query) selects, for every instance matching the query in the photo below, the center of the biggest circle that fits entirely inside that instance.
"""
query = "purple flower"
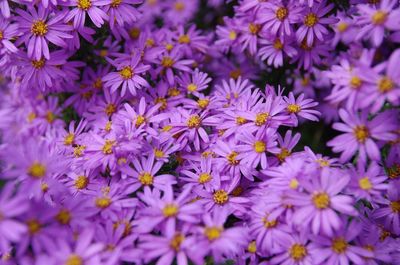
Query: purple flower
(360, 134)
(91, 7)
(7, 32)
(39, 28)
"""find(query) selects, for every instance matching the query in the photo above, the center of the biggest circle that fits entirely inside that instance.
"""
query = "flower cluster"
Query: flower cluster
(146, 132)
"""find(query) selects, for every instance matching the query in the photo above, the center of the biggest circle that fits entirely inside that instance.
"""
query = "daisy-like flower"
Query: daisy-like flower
(172, 244)
(349, 84)
(222, 241)
(296, 250)
(39, 28)
(383, 84)
(273, 51)
(301, 107)
(223, 197)
(287, 144)
(167, 210)
(374, 20)
(7, 32)
(194, 82)
(91, 7)
(204, 174)
(253, 148)
(389, 211)
(41, 74)
(11, 206)
(191, 40)
(319, 200)
(338, 249)
(361, 135)
(191, 127)
(173, 60)
(82, 251)
(277, 18)
(313, 23)
(368, 184)
(128, 75)
(250, 34)
(144, 174)
(122, 12)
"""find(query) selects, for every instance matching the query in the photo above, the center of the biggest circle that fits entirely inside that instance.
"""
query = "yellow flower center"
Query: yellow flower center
(321, 200)
(283, 154)
(379, 17)
(252, 247)
(361, 133)
(115, 3)
(342, 26)
(179, 6)
(298, 252)
(232, 158)
(281, 13)
(163, 102)
(37, 170)
(278, 44)
(108, 147)
(240, 120)
(63, 217)
(213, 232)
(84, 4)
(78, 150)
(254, 28)
(69, 139)
(150, 42)
(385, 84)
(38, 64)
(323, 162)
(174, 92)
(44, 187)
(1, 35)
(269, 223)
(126, 72)
(50, 117)
(176, 241)
(134, 33)
(310, 20)
(74, 260)
(194, 121)
(33, 226)
(220, 197)
(339, 245)
(31, 116)
(98, 84)
(293, 108)
(170, 210)
(158, 153)
(140, 119)
(103, 53)
(232, 35)
(167, 62)
(355, 82)
(191, 87)
(203, 103)
(81, 182)
(235, 73)
(259, 146)
(166, 128)
(146, 179)
(395, 206)
(103, 202)
(110, 109)
(261, 118)
(364, 183)
(204, 178)
(184, 39)
(39, 28)
(294, 183)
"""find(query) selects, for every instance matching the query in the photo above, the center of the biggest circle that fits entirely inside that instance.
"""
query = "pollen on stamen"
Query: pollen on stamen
(39, 28)
(176, 241)
(84, 4)
(74, 259)
(126, 72)
(63, 216)
(321, 200)
(213, 232)
(170, 210)
(261, 118)
(69, 139)
(167, 62)
(108, 147)
(37, 170)
(310, 20)
(184, 39)
(339, 245)
(81, 182)
(281, 13)
(220, 197)
(194, 121)
(231, 157)
(259, 146)
(204, 178)
(146, 179)
(361, 133)
(298, 252)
